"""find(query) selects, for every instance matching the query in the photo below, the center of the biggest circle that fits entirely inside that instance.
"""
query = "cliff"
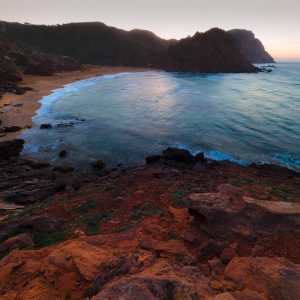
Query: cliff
(251, 47)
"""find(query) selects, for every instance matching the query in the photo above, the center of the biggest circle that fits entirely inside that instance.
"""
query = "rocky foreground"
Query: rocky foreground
(179, 227)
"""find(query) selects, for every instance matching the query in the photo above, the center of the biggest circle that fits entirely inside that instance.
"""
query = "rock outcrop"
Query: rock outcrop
(250, 47)
(212, 51)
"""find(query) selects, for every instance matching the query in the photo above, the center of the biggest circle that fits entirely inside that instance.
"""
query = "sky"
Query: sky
(275, 22)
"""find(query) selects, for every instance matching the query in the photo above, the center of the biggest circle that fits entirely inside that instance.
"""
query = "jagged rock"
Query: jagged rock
(275, 278)
(29, 192)
(11, 148)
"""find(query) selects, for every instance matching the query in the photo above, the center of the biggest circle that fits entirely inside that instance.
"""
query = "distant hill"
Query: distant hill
(97, 43)
(92, 43)
(17, 58)
(251, 47)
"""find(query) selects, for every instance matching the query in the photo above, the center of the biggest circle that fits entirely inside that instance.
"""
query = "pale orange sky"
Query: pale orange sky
(275, 22)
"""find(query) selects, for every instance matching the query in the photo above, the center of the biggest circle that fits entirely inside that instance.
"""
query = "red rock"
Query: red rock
(275, 278)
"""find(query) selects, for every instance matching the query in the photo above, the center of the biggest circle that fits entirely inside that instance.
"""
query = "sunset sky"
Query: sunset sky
(275, 22)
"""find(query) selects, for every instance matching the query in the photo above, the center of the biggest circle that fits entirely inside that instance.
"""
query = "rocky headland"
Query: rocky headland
(251, 47)
(178, 227)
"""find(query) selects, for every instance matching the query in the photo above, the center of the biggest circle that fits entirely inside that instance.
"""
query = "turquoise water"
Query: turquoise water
(242, 117)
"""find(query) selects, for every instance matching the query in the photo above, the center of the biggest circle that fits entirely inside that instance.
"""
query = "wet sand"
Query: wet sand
(18, 110)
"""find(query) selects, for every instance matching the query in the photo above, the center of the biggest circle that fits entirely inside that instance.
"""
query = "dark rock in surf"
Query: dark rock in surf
(63, 154)
(178, 155)
(199, 157)
(45, 126)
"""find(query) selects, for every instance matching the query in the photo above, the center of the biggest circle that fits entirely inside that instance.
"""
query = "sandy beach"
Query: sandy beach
(18, 110)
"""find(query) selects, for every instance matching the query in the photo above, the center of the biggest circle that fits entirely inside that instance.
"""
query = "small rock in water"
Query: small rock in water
(63, 153)
(45, 126)
(98, 164)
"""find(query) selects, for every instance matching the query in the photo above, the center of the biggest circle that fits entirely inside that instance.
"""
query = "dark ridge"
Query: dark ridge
(96, 43)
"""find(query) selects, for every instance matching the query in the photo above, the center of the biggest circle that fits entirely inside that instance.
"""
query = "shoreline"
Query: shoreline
(18, 110)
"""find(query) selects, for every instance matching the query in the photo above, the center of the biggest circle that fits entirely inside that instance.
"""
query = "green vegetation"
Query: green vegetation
(180, 198)
(123, 228)
(107, 216)
(9, 235)
(235, 182)
(92, 225)
(50, 239)
(3, 255)
(172, 235)
(146, 211)
(87, 206)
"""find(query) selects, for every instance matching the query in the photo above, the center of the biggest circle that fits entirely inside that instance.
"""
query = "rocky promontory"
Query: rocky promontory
(250, 47)
(179, 227)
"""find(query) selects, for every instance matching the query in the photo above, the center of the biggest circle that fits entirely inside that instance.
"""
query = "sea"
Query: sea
(122, 118)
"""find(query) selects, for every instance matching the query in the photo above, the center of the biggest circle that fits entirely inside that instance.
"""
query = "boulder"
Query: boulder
(11, 148)
(200, 157)
(178, 155)
(63, 153)
(163, 280)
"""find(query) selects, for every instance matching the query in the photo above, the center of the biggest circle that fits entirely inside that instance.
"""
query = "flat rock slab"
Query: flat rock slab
(228, 212)
(280, 207)
(9, 206)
